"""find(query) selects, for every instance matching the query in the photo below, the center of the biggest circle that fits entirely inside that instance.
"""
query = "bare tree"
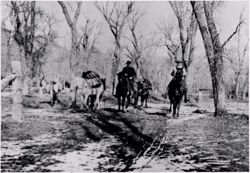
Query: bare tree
(214, 50)
(33, 38)
(187, 26)
(32, 43)
(90, 33)
(170, 38)
(115, 14)
(237, 56)
(135, 50)
(74, 52)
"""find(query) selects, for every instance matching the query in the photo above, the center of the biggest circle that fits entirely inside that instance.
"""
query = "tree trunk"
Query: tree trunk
(115, 66)
(213, 52)
(236, 87)
(193, 31)
(17, 92)
(9, 45)
(245, 90)
(245, 87)
(73, 60)
(217, 61)
(139, 73)
(72, 25)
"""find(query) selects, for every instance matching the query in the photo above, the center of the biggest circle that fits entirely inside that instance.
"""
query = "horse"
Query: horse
(123, 93)
(80, 86)
(144, 87)
(176, 91)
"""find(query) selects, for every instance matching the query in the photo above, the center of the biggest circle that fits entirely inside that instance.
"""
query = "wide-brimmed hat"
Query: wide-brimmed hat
(128, 62)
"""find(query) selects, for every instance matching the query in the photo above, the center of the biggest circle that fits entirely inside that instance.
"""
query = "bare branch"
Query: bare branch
(77, 13)
(65, 11)
(231, 36)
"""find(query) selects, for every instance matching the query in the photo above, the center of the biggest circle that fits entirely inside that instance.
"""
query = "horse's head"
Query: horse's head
(140, 86)
(179, 74)
(144, 86)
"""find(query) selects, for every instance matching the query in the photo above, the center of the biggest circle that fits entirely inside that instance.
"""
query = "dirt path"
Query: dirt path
(105, 140)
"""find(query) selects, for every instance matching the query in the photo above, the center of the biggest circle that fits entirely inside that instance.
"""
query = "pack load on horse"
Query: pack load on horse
(144, 86)
(126, 87)
(93, 79)
(177, 88)
(91, 88)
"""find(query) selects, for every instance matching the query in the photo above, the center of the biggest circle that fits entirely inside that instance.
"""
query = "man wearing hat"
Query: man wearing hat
(130, 72)
(182, 72)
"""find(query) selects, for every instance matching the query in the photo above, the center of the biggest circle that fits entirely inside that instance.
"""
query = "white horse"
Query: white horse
(80, 86)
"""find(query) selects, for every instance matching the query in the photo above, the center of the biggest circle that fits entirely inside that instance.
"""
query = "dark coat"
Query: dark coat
(130, 71)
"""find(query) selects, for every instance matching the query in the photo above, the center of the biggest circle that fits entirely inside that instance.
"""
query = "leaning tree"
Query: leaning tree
(214, 49)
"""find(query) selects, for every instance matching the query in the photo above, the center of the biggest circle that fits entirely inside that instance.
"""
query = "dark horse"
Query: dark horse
(176, 91)
(144, 87)
(123, 91)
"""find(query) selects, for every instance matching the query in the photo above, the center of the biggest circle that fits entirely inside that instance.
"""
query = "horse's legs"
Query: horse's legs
(123, 103)
(97, 100)
(82, 102)
(170, 107)
(53, 99)
(142, 100)
(136, 99)
(174, 109)
(128, 97)
(56, 98)
(73, 98)
(119, 103)
(85, 102)
(178, 109)
(146, 101)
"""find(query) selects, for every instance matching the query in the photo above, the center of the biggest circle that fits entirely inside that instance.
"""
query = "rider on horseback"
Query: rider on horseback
(179, 72)
(131, 74)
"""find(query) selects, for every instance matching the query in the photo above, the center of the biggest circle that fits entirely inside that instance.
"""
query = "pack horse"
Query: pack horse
(90, 87)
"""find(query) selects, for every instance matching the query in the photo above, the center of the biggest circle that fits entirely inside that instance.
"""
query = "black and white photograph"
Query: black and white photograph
(124, 86)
